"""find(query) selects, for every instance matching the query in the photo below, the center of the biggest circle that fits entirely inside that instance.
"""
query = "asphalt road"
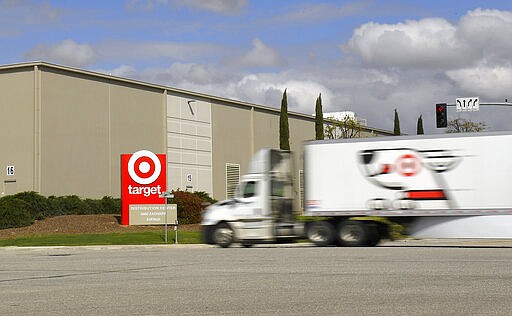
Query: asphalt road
(414, 278)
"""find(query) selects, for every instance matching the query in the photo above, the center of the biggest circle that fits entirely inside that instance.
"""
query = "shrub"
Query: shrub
(14, 212)
(189, 207)
(74, 205)
(110, 205)
(205, 197)
(107, 205)
(23, 208)
(38, 205)
(67, 205)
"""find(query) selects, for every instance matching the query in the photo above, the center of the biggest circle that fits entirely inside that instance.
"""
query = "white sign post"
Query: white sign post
(166, 195)
(467, 104)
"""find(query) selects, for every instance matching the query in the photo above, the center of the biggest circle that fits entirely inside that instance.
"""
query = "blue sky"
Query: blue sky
(366, 56)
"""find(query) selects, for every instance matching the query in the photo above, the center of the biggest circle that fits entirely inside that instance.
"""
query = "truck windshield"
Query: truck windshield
(247, 189)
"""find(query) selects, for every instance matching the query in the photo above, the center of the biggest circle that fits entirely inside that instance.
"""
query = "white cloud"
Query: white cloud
(263, 88)
(433, 60)
(435, 43)
(260, 55)
(217, 6)
(268, 89)
(492, 82)
(302, 95)
(66, 52)
(427, 43)
(489, 31)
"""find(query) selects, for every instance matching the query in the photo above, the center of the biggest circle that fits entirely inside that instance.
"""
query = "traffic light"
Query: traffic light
(441, 118)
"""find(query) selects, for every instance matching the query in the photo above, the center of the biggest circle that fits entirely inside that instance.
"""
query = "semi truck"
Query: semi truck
(353, 188)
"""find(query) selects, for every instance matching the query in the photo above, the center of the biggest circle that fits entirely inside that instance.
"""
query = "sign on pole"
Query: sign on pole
(467, 104)
(153, 214)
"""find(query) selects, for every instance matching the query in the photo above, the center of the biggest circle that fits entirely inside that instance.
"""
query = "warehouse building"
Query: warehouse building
(63, 131)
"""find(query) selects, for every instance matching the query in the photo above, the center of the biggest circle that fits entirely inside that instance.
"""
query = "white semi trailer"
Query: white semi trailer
(435, 179)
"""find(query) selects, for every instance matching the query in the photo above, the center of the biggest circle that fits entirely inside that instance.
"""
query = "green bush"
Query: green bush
(107, 205)
(14, 212)
(23, 208)
(67, 205)
(74, 205)
(38, 205)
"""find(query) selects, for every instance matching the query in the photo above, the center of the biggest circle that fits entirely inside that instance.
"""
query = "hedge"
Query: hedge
(22, 209)
(14, 212)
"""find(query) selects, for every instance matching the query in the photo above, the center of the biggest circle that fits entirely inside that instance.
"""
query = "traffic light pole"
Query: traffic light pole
(493, 103)
(442, 117)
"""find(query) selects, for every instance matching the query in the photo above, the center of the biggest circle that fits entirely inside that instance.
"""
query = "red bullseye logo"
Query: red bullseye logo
(408, 165)
(144, 167)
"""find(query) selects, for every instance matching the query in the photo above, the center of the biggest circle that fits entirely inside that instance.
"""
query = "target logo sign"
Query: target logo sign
(144, 167)
(408, 165)
(143, 179)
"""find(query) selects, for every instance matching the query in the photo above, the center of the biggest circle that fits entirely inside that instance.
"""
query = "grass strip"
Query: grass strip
(139, 238)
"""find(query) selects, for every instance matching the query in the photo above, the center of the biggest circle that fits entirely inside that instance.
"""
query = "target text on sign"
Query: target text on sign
(146, 191)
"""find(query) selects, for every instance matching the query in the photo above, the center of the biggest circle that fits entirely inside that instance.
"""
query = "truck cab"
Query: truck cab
(262, 208)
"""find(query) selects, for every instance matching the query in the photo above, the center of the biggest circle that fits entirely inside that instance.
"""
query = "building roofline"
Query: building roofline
(166, 88)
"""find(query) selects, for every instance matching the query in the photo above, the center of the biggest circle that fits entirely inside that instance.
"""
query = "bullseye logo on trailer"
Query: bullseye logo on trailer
(143, 180)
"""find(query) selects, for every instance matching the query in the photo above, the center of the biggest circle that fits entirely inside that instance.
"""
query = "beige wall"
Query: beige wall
(266, 129)
(137, 122)
(17, 130)
(74, 135)
(231, 142)
(87, 122)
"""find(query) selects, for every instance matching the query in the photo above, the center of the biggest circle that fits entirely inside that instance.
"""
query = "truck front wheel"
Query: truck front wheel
(320, 233)
(223, 235)
(353, 233)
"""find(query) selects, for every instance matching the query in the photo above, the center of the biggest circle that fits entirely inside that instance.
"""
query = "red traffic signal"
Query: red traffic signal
(441, 117)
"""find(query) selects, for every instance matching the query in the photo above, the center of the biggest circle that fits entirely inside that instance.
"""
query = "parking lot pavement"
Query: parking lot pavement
(403, 277)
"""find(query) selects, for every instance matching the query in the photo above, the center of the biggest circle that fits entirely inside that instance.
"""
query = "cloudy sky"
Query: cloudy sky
(370, 57)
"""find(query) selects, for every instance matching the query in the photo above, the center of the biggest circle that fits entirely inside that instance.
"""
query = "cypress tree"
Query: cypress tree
(284, 131)
(419, 126)
(319, 118)
(396, 130)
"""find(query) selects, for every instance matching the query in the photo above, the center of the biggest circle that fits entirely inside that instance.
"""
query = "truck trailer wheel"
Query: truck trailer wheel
(223, 235)
(320, 233)
(353, 233)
